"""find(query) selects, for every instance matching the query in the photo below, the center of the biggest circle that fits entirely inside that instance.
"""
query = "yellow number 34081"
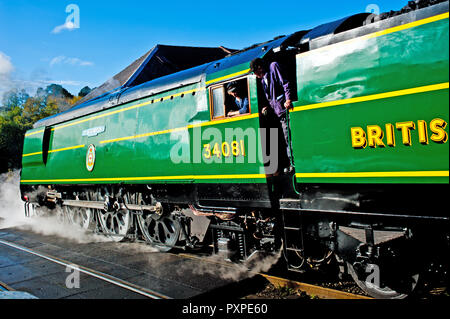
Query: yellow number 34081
(225, 150)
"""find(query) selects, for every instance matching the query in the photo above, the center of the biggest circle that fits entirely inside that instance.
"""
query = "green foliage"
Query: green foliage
(14, 98)
(13, 126)
(84, 91)
(20, 112)
(54, 90)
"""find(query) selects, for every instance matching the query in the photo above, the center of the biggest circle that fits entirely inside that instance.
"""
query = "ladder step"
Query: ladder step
(294, 249)
(301, 271)
(292, 228)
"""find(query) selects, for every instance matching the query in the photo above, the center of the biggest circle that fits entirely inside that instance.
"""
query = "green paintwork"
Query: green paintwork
(401, 60)
(33, 144)
(142, 159)
(321, 138)
(240, 130)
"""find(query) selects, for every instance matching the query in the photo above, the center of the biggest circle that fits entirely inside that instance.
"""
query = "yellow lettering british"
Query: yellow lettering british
(423, 132)
(358, 137)
(390, 136)
(406, 128)
(375, 136)
(437, 126)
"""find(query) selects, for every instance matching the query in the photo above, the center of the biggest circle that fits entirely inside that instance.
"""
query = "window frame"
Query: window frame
(223, 85)
(211, 102)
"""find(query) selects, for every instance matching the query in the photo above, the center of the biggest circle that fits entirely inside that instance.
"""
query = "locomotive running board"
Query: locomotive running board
(298, 205)
(101, 205)
(379, 236)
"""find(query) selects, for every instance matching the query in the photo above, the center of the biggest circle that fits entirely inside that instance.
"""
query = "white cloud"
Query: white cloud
(71, 61)
(61, 82)
(6, 66)
(6, 69)
(30, 86)
(69, 25)
(11, 78)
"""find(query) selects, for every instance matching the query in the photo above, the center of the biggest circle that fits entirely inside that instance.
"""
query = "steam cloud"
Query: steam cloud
(216, 266)
(12, 215)
(11, 206)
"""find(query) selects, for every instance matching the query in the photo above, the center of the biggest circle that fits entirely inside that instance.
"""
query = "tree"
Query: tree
(56, 94)
(84, 91)
(13, 125)
(20, 113)
(36, 109)
(12, 130)
(54, 90)
(13, 98)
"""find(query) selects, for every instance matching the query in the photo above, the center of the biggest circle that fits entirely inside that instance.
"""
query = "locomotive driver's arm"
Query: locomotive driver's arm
(283, 80)
(286, 86)
(288, 104)
(264, 111)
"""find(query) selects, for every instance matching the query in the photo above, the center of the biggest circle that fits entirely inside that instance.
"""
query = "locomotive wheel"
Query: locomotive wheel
(80, 216)
(61, 216)
(398, 286)
(115, 224)
(161, 231)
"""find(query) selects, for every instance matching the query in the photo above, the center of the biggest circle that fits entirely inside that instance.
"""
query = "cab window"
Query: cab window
(218, 101)
(230, 99)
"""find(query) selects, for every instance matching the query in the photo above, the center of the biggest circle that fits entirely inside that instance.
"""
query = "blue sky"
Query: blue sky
(37, 47)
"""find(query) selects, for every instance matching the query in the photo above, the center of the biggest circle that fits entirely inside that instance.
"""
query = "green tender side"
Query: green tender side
(393, 77)
(154, 140)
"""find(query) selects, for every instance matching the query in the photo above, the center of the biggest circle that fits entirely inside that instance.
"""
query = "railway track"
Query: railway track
(90, 272)
(4, 287)
(312, 290)
(260, 279)
(250, 283)
(312, 287)
(255, 277)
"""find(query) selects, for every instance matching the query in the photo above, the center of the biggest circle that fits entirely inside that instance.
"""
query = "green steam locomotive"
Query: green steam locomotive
(154, 155)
